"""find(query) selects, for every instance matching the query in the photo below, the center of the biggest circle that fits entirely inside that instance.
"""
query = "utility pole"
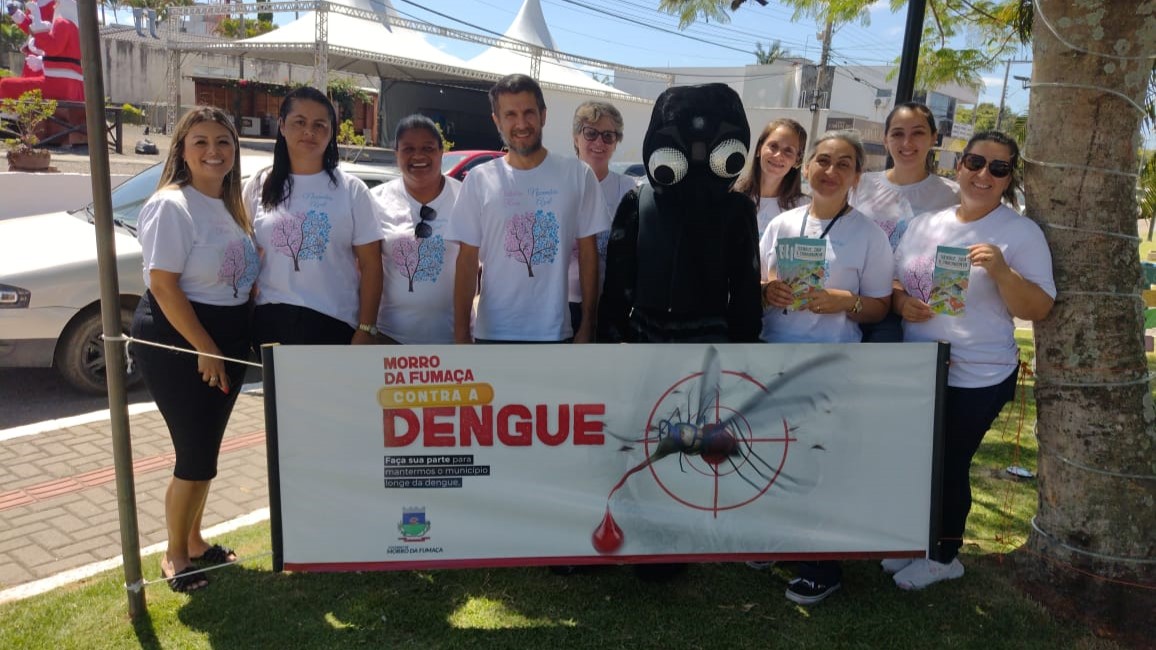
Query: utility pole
(1003, 93)
(820, 81)
(912, 35)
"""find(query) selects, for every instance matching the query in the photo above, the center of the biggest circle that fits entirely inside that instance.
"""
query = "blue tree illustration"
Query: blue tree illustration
(431, 257)
(252, 263)
(314, 235)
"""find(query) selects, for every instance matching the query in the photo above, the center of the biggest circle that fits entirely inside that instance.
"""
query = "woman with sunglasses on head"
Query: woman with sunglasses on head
(199, 266)
(856, 287)
(1010, 276)
(773, 178)
(319, 233)
(417, 303)
(598, 129)
(910, 188)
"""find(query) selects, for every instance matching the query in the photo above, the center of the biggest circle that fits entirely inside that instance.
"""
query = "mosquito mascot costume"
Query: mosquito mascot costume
(682, 264)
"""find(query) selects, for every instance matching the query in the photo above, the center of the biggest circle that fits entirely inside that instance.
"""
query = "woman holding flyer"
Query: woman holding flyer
(828, 268)
(963, 274)
(894, 197)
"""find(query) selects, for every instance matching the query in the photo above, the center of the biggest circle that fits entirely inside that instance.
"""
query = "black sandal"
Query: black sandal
(186, 580)
(216, 554)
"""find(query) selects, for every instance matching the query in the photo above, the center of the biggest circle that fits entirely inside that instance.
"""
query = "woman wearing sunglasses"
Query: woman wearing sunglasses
(598, 129)
(910, 188)
(417, 301)
(856, 266)
(1009, 276)
(319, 233)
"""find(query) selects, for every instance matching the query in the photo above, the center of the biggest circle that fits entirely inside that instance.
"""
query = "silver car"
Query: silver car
(50, 286)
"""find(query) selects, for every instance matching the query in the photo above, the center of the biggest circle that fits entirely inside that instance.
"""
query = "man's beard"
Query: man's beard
(528, 150)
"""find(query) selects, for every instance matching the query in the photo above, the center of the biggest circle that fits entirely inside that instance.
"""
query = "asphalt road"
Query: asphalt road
(37, 394)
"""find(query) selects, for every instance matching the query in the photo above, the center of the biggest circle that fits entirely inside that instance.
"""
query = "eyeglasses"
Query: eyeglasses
(423, 230)
(998, 168)
(590, 134)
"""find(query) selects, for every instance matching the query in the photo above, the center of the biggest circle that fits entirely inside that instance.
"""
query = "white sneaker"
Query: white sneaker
(924, 573)
(893, 565)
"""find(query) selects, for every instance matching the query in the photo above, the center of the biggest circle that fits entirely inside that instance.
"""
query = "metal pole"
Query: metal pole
(1002, 97)
(114, 350)
(909, 58)
(820, 79)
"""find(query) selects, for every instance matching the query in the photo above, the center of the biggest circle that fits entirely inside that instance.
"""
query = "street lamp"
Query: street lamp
(1025, 81)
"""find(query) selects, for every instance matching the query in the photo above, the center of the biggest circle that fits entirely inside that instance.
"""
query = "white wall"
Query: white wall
(26, 194)
(558, 136)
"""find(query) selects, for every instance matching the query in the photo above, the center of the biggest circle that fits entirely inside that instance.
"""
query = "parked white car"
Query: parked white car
(50, 285)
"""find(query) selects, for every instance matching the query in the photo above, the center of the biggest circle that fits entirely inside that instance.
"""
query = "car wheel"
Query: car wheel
(80, 354)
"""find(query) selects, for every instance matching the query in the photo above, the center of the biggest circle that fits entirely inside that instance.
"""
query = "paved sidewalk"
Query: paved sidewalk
(58, 505)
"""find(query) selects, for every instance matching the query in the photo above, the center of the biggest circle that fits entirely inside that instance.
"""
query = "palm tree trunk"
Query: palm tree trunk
(1094, 535)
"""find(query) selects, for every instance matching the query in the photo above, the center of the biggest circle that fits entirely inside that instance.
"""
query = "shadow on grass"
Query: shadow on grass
(146, 633)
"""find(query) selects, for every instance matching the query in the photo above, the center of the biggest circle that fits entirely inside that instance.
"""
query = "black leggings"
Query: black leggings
(196, 414)
(295, 325)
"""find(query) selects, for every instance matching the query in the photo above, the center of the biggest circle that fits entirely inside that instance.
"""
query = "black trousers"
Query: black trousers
(295, 325)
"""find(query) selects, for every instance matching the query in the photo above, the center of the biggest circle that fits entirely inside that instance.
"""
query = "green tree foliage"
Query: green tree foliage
(11, 38)
(769, 56)
(230, 27)
(346, 134)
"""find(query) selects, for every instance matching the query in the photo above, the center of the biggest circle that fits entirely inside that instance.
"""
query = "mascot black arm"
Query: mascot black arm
(621, 272)
(745, 311)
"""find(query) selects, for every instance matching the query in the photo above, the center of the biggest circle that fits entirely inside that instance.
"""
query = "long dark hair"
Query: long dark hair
(750, 180)
(922, 109)
(279, 183)
(1009, 194)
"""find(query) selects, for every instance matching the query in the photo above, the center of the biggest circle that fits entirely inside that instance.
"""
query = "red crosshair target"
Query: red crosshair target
(771, 448)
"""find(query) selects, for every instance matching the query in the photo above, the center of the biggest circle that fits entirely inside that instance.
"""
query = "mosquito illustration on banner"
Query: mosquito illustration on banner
(721, 436)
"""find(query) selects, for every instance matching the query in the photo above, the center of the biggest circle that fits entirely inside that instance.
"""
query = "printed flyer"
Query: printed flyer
(949, 280)
(802, 263)
(395, 457)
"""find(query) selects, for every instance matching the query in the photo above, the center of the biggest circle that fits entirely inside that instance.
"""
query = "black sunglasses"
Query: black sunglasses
(423, 230)
(608, 137)
(976, 162)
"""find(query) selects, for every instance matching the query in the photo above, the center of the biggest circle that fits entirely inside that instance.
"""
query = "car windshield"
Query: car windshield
(130, 195)
(450, 160)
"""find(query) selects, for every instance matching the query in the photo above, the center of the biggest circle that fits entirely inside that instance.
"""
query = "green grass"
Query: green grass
(722, 606)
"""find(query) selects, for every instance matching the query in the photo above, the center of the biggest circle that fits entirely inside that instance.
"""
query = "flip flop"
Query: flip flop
(186, 580)
(216, 554)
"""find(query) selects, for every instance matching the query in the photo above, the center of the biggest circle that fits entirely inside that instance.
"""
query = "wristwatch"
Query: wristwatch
(858, 305)
(368, 329)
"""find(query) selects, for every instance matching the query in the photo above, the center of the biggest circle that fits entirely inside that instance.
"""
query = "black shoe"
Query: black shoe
(809, 592)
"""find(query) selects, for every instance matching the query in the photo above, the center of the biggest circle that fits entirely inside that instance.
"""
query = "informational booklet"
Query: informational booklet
(801, 263)
(949, 281)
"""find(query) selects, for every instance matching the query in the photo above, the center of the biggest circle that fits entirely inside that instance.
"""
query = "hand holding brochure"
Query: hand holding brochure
(802, 263)
(949, 281)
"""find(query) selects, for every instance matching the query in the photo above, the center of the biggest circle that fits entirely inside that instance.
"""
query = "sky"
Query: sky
(635, 32)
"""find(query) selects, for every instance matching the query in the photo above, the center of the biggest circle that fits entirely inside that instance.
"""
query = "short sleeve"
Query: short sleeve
(592, 215)
(466, 227)
(1032, 258)
(879, 267)
(767, 257)
(368, 214)
(166, 233)
(251, 194)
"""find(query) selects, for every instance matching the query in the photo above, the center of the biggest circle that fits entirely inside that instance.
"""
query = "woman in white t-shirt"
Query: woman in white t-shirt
(773, 176)
(598, 128)
(1010, 276)
(417, 305)
(856, 272)
(199, 267)
(319, 233)
(910, 188)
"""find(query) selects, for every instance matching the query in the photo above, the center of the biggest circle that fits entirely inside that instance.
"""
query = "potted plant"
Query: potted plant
(27, 112)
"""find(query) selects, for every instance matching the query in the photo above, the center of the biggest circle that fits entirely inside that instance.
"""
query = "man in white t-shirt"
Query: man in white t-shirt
(519, 216)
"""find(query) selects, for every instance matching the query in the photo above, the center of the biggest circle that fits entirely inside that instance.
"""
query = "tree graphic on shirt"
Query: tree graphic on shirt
(532, 238)
(301, 236)
(917, 277)
(419, 260)
(239, 265)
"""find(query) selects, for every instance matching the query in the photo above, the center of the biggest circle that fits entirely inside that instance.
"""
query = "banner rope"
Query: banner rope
(162, 579)
(131, 340)
(1092, 231)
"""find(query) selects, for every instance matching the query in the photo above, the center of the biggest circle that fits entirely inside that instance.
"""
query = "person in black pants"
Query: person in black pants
(200, 263)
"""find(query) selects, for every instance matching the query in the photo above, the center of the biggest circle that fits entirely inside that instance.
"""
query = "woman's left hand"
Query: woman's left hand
(829, 301)
(989, 258)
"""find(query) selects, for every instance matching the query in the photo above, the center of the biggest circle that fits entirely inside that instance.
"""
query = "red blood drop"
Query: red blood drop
(607, 537)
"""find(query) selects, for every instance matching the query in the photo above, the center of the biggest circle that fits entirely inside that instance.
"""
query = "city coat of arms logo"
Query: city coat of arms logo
(413, 526)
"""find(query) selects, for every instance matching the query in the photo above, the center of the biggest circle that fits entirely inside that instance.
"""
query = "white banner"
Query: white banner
(453, 456)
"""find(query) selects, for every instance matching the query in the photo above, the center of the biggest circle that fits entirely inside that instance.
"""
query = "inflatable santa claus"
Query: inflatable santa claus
(53, 47)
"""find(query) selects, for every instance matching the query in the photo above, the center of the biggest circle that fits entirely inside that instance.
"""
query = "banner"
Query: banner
(400, 457)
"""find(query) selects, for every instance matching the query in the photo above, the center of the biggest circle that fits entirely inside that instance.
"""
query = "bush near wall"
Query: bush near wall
(131, 114)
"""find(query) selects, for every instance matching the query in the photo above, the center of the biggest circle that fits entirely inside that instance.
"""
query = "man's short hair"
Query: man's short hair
(514, 84)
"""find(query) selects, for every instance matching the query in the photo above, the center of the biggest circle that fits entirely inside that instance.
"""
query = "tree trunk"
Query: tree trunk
(1092, 550)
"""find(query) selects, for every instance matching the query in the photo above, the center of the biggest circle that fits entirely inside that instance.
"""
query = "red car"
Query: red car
(456, 164)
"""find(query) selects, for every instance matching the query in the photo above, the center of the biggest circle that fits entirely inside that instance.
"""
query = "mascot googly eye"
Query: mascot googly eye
(668, 166)
(728, 158)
